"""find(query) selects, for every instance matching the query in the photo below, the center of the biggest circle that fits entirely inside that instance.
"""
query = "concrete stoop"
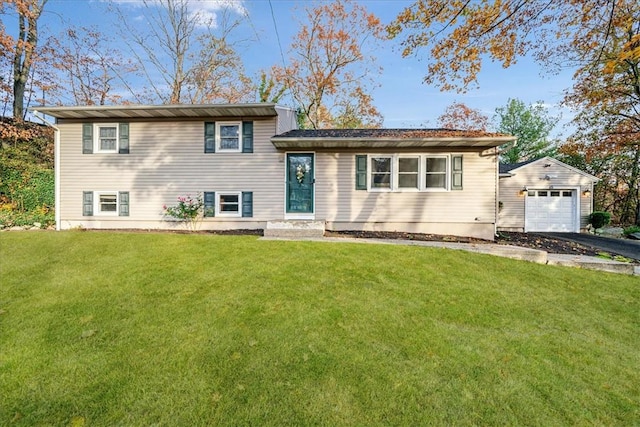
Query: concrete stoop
(293, 229)
(592, 263)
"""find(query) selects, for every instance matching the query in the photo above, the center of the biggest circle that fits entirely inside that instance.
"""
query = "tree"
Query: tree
(22, 49)
(606, 94)
(461, 117)
(330, 68)
(269, 90)
(90, 71)
(460, 34)
(531, 124)
(600, 39)
(181, 58)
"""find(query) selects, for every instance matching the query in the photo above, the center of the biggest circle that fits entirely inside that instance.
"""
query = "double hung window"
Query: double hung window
(381, 172)
(107, 138)
(228, 204)
(436, 173)
(408, 172)
(228, 136)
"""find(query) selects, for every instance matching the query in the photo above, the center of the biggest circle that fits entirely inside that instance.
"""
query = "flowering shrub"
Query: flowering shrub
(188, 210)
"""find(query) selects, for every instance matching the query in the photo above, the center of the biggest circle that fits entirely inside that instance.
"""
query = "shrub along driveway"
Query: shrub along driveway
(625, 247)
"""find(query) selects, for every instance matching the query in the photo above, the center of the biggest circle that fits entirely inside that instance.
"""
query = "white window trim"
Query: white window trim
(219, 211)
(96, 203)
(422, 173)
(447, 172)
(370, 173)
(219, 149)
(96, 137)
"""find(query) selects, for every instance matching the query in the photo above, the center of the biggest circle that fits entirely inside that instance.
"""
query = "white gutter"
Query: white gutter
(56, 166)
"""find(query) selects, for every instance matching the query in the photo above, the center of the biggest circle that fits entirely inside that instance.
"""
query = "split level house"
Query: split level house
(116, 166)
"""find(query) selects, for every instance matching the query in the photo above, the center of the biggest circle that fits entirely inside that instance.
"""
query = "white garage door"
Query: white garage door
(551, 210)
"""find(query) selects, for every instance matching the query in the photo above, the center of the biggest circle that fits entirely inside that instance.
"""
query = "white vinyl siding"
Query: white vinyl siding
(168, 161)
(338, 202)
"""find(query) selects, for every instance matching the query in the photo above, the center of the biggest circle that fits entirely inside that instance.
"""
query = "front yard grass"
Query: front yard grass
(105, 328)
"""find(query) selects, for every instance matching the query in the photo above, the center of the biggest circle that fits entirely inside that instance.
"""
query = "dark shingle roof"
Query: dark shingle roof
(387, 133)
(508, 167)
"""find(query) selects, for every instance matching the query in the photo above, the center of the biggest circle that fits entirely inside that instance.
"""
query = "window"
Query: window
(228, 204)
(107, 203)
(236, 204)
(436, 173)
(409, 172)
(408, 176)
(105, 138)
(228, 136)
(381, 173)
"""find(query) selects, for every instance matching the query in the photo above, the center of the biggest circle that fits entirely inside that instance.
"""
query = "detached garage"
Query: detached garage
(544, 195)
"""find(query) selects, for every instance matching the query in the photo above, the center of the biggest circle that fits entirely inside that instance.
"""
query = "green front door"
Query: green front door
(300, 183)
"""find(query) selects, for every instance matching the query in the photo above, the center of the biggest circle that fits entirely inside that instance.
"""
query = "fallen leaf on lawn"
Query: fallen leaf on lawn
(88, 333)
(77, 422)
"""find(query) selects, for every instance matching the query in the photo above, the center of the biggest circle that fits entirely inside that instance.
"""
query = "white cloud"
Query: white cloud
(205, 11)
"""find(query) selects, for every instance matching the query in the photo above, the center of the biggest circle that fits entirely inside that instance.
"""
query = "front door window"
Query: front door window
(300, 183)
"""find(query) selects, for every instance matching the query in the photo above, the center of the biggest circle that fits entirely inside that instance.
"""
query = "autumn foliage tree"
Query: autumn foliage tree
(606, 93)
(22, 49)
(330, 69)
(460, 116)
(598, 38)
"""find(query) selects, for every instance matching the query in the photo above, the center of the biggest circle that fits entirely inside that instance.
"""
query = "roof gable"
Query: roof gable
(510, 168)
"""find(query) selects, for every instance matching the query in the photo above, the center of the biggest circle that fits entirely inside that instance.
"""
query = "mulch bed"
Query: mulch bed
(551, 245)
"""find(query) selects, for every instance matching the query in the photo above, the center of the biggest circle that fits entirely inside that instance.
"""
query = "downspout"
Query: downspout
(498, 151)
(56, 165)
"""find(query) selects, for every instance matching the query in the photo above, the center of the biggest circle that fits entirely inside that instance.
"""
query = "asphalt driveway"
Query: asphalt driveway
(625, 247)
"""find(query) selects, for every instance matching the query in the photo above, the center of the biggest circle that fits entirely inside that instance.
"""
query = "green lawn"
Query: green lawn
(103, 329)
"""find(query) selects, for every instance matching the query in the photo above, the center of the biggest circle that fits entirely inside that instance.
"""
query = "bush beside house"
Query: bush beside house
(26, 174)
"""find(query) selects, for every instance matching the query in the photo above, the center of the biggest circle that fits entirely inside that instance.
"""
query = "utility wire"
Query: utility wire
(275, 25)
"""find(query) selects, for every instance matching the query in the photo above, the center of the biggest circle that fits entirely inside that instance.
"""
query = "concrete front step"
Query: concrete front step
(294, 229)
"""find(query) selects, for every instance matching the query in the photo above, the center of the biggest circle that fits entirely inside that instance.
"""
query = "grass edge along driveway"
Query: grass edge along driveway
(173, 329)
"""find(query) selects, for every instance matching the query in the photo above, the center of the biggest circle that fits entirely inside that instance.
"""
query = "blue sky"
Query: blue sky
(402, 98)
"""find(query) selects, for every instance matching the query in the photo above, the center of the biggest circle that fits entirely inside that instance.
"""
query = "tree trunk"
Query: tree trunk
(28, 16)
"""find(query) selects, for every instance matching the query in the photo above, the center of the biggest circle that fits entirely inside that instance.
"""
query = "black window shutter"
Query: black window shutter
(87, 138)
(456, 173)
(123, 135)
(123, 198)
(247, 204)
(209, 204)
(87, 203)
(247, 137)
(210, 137)
(361, 172)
